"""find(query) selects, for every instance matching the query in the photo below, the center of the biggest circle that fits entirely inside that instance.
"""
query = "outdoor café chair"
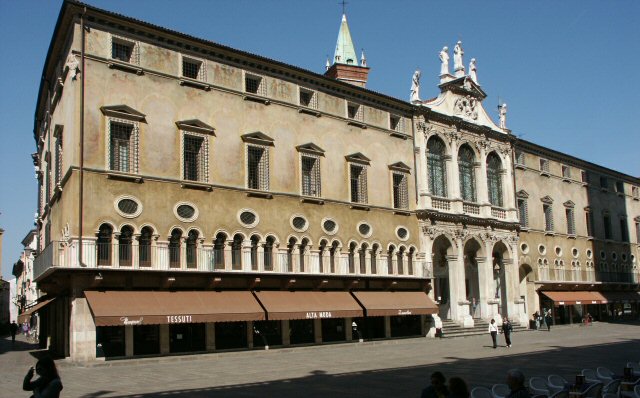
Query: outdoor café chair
(590, 376)
(538, 385)
(500, 390)
(611, 387)
(604, 374)
(557, 383)
(593, 391)
(481, 392)
(560, 394)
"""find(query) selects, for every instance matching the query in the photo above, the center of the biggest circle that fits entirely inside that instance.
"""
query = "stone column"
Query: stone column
(227, 254)
(286, 337)
(165, 344)
(481, 184)
(135, 251)
(421, 171)
(82, 330)
(128, 340)
(317, 330)
(260, 263)
(155, 258)
(484, 285)
(314, 262)
(210, 336)
(115, 247)
(456, 195)
(509, 189)
(246, 255)
(347, 328)
(383, 262)
(183, 252)
(250, 334)
(387, 327)
(457, 279)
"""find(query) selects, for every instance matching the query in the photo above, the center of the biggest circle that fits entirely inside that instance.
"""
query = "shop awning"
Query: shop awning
(622, 297)
(577, 297)
(308, 305)
(396, 303)
(26, 316)
(112, 308)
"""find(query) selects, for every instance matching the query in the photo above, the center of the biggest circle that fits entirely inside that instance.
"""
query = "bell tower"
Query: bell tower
(345, 65)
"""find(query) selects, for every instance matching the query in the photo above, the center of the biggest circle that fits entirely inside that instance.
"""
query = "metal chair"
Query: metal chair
(590, 376)
(561, 394)
(481, 392)
(604, 374)
(500, 390)
(593, 391)
(612, 387)
(557, 383)
(538, 385)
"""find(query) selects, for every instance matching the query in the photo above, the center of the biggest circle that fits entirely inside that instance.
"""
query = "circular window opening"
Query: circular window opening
(247, 218)
(329, 226)
(524, 248)
(624, 256)
(402, 233)
(299, 223)
(186, 212)
(589, 253)
(364, 229)
(603, 255)
(128, 206)
(558, 251)
(540, 261)
(542, 249)
(574, 252)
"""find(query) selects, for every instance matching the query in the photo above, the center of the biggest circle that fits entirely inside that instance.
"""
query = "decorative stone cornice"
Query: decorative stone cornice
(433, 215)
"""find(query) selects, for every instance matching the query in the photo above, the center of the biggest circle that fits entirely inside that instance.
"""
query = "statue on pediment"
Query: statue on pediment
(444, 61)
(503, 116)
(473, 70)
(458, 52)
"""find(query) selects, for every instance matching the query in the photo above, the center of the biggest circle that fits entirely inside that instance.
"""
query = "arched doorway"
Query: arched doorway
(501, 258)
(472, 251)
(527, 287)
(442, 248)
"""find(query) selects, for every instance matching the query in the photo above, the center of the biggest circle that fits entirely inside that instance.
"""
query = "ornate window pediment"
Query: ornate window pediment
(258, 138)
(196, 126)
(547, 199)
(569, 203)
(311, 148)
(522, 194)
(123, 112)
(400, 166)
(358, 158)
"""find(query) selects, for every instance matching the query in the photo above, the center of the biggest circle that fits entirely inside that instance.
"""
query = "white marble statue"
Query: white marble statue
(473, 70)
(458, 52)
(444, 59)
(503, 116)
(415, 87)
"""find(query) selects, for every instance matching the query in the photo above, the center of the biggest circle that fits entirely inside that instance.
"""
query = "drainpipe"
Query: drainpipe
(81, 187)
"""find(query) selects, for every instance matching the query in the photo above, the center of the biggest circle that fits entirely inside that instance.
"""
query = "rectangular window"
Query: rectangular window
(520, 158)
(566, 171)
(548, 217)
(121, 50)
(584, 177)
(194, 158)
(523, 213)
(635, 192)
(192, 68)
(604, 183)
(624, 231)
(358, 183)
(544, 165)
(589, 221)
(354, 111)
(638, 232)
(607, 226)
(257, 167)
(571, 224)
(619, 187)
(58, 160)
(48, 187)
(310, 176)
(255, 85)
(308, 98)
(396, 123)
(121, 146)
(400, 191)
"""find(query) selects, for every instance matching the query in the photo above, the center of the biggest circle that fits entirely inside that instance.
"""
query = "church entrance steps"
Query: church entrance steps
(452, 329)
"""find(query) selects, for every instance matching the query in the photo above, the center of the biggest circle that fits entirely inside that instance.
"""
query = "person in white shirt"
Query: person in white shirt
(493, 329)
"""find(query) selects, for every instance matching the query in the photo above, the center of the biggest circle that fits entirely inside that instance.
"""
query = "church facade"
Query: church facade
(198, 198)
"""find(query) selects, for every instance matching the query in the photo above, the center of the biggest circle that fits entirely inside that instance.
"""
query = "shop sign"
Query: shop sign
(404, 312)
(126, 321)
(179, 319)
(316, 315)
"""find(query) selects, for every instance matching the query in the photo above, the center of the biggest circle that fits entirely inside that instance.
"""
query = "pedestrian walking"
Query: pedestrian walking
(13, 328)
(536, 318)
(48, 385)
(493, 330)
(548, 319)
(507, 329)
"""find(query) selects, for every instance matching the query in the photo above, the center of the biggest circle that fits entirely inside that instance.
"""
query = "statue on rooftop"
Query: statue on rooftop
(473, 70)
(458, 52)
(503, 116)
(415, 87)
(444, 59)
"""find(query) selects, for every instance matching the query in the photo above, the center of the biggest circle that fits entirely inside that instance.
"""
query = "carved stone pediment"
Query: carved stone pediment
(466, 107)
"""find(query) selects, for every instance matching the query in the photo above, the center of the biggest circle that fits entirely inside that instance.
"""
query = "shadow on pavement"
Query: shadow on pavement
(395, 382)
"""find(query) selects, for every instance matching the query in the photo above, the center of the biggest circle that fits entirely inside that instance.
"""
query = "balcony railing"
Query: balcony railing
(498, 213)
(440, 204)
(470, 208)
(166, 257)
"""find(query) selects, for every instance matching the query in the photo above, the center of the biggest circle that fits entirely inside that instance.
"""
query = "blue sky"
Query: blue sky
(568, 70)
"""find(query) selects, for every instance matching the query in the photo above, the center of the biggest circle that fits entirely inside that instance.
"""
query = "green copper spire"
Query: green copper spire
(345, 51)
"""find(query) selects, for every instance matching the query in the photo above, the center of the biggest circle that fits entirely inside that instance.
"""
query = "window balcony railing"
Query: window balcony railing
(497, 212)
(214, 259)
(471, 208)
(441, 204)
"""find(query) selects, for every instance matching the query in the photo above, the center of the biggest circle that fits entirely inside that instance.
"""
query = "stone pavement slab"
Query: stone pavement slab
(375, 369)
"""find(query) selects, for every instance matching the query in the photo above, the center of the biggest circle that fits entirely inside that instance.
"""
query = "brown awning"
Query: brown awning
(25, 316)
(622, 296)
(577, 297)
(308, 305)
(111, 308)
(396, 303)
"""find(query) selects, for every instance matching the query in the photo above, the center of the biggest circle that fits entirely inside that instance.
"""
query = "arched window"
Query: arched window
(352, 257)
(124, 246)
(362, 253)
(401, 261)
(218, 250)
(255, 241)
(466, 159)
(494, 179)
(303, 248)
(332, 257)
(436, 167)
(374, 259)
(290, 246)
(321, 250)
(192, 251)
(236, 252)
(144, 248)
(174, 248)
(103, 244)
(268, 253)
(392, 249)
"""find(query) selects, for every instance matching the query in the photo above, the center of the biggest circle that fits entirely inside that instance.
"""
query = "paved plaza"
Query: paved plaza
(398, 368)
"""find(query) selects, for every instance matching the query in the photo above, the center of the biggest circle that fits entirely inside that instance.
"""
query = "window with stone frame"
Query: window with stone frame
(195, 150)
(193, 68)
(125, 50)
(258, 167)
(547, 210)
(358, 183)
(466, 171)
(311, 182)
(494, 179)
(123, 146)
(436, 167)
(606, 221)
(255, 84)
(620, 187)
(355, 111)
(589, 223)
(638, 232)
(604, 182)
(523, 213)
(308, 98)
(571, 223)
(58, 155)
(396, 123)
(584, 176)
(520, 158)
(400, 190)
(635, 192)
(566, 171)
(624, 229)
(544, 165)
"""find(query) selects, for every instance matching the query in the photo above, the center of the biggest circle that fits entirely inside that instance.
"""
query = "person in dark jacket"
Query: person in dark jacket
(507, 328)
(515, 381)
(438, 387)
(13, 328)
(48, 385)
(458, 388)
